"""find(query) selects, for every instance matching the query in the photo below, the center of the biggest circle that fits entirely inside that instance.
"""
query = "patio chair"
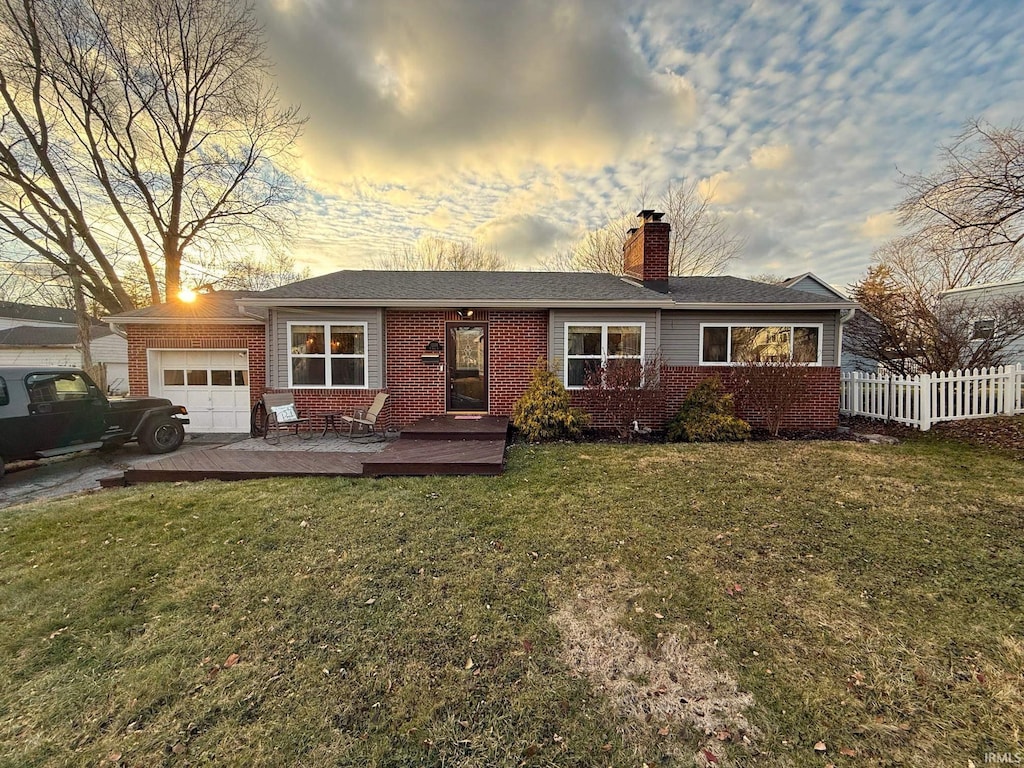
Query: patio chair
(366, 421)
(282, 416)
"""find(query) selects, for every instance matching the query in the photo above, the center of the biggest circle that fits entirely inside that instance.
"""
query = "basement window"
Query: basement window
(728, 344)
(327, 355)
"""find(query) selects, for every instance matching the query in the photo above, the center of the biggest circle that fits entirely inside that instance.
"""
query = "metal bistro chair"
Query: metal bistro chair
(366, 420)
(283, 416)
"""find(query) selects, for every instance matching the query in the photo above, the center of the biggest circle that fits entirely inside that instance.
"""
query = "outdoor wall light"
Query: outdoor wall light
(465, 314)
(433, 346)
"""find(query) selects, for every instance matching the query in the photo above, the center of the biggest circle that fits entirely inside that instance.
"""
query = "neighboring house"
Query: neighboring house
(855, 323)
(48, 336)
(466, 342)
(981, 299)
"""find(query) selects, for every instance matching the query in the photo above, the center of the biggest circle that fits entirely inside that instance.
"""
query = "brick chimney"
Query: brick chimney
(645, 254)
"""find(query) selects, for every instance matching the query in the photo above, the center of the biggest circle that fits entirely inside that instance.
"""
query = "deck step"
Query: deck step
(457, 428)
(437, 457)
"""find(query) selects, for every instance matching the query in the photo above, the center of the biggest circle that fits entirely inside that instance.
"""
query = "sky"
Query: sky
(523, 124)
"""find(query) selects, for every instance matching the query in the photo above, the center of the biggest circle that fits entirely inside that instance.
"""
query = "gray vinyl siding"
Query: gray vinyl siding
(680, 331)
(559, 318)
(810, 285)
(277, 339)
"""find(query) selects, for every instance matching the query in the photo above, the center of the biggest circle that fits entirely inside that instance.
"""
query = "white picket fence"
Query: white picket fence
(929, 398)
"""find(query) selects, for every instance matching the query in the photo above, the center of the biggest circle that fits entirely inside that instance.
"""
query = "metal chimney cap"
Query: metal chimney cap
(649, 214)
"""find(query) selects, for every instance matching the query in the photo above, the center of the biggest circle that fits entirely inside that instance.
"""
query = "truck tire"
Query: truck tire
(161, 435)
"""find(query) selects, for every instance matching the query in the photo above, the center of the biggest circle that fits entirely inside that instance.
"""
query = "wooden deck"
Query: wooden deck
(217, 464)
(440, 445)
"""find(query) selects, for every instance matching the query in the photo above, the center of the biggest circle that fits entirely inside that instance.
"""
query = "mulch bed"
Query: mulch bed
(1000, 432)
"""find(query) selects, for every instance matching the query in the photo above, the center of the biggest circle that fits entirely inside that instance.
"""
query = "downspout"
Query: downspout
(844, 317)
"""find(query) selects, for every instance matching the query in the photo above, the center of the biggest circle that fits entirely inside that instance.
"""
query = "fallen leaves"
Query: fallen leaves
(734, 589)
(231, 660)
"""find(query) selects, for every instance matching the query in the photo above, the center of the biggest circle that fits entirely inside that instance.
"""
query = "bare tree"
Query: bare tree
(916, 327)
(436, 253)
(701, 242)
(134, 131)
(974, 203)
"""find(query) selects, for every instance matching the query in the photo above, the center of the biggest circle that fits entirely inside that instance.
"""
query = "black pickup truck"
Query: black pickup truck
(50, 411)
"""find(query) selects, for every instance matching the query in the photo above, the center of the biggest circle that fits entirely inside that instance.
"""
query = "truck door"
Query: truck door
(66, 408)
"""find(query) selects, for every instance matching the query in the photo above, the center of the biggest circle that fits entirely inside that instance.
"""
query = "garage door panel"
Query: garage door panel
(211, 384)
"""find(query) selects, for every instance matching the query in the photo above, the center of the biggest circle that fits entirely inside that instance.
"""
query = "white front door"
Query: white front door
(213, 384)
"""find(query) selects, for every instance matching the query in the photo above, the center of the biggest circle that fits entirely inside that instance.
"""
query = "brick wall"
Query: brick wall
(515, 338)
(819, 409)
(144, 337)
(417, 388)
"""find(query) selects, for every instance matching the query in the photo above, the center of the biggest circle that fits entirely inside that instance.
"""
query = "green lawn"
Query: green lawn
(596, 605)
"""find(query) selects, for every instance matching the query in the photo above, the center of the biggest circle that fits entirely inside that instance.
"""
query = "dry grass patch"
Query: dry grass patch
(677, 684)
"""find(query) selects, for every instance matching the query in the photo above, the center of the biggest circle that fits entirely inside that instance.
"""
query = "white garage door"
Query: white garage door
(212, 383)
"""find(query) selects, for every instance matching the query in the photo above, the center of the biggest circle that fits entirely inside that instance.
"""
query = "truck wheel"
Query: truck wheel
(162, 435)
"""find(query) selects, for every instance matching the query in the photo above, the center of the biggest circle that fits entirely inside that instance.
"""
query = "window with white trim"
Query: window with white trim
(589, 346)
(728, 344)
(331, 355)
(984, 328)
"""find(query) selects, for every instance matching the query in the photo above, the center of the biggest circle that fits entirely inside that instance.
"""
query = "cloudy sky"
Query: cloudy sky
(524, 123)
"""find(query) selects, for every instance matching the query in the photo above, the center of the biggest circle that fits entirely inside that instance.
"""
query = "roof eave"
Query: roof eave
(149, 320)
(456, 303)
(549, 304)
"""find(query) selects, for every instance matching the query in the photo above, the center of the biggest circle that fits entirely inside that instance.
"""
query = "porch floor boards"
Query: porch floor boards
(436, 445)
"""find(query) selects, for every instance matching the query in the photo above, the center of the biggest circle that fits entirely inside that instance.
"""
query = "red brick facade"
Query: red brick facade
(516, 339)
(819, 410)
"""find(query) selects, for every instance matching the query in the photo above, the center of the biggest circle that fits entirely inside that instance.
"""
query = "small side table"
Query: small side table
(332, 421)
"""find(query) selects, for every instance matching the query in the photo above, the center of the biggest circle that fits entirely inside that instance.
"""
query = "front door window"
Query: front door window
(467, 367)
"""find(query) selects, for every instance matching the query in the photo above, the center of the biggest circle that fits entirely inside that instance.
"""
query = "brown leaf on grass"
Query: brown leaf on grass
(723, 735)
(606, 748)
(231, 660)
(820, 747)
(212, 673)
(663, 731)
(179, 748)
(848, 752)
(113, 757)
(734, 589)
(527, 646)
(710, 756)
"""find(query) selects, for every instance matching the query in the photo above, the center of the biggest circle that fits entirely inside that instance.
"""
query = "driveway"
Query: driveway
(65, 475)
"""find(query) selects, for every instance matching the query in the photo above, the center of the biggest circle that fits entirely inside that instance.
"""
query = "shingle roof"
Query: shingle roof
(448, 288)
(43, 336)
(734, 290)
(454, 289)
(35, 312)
(218, 305)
